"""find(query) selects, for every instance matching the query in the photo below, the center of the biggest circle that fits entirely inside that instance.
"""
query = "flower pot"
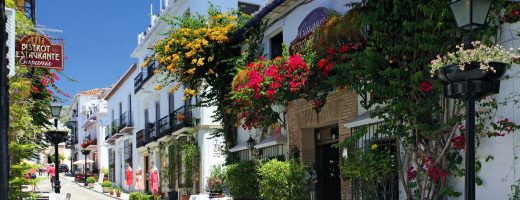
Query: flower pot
(111, 192)
(118, 194)
(452, 73)
(91, 185)
(472, 82)
(105, 189)
(185, 197)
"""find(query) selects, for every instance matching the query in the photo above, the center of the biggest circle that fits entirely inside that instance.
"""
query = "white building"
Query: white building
(87, 120)
(120, 137)
(157, 112)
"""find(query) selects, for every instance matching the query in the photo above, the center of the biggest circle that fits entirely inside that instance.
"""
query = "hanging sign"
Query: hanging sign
(310, 23)
(39, 51)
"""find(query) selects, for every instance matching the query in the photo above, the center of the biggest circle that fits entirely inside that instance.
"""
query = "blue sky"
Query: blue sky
(99, 36)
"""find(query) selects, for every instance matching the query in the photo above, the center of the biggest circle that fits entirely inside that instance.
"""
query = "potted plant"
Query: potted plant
(106, 185)
(481, 66)
(215, 182)
(185, 193)
(118, 191)
(111, 191)
(105, 173)
(91, 181)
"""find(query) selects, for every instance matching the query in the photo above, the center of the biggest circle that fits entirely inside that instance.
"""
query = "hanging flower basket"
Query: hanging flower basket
(453, 73)
(85, 151)
(472, 81)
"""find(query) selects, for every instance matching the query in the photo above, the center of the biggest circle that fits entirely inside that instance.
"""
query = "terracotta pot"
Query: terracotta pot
(185, 197)
(111, 192)
(118, 194)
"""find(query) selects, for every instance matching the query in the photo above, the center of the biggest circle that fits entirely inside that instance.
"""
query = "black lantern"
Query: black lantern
(55, 108)
(56, 137)
(251, 146)
(471, 14)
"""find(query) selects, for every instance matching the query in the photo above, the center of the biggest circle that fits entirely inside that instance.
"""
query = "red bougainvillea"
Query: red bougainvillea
(433, 170)
(264, 83)
(459, 142)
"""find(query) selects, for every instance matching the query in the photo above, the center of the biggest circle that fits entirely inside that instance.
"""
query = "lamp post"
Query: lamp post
(470, 15)
(251, 145)
(85, 152)
(56, 137)
(4, 108)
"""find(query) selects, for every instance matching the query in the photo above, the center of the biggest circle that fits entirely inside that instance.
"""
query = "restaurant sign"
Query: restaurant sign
(310, 23)
(38, 51)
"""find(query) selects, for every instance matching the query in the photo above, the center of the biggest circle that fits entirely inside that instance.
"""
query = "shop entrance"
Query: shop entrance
(327, 164)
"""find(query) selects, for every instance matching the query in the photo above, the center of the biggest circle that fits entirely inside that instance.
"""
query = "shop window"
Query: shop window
(275, 45)
(248, 8)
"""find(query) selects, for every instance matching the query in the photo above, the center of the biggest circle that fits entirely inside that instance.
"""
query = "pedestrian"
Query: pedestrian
(32, 173)
(48, 170)
(52, 172)
(40, 170)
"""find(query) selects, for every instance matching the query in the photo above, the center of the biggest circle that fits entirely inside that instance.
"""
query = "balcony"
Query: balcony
(151, 135)
(108, 135)
(127, 124)
(114, 131)
(140, 138)
(175, 121)
(144, 76)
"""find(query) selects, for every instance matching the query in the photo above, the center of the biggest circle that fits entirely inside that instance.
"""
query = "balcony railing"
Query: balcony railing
(126, 120)
(150, 133)
(107, 133)
(178, 119)
(144, 76)
(140, 138)
(115, 127)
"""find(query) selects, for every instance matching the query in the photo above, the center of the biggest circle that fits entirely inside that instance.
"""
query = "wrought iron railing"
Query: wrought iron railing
(107, 133)
(150, 133)
(115, 126)
(126, 120)
(140, 138)
(178, 119)
(144, 76)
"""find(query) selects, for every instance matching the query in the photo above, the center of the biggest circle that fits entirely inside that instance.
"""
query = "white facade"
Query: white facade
(161, 104)
(121, 139)
(87, 112)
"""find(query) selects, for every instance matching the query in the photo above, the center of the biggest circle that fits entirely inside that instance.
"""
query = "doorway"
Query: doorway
(146, 173)
(327, 164)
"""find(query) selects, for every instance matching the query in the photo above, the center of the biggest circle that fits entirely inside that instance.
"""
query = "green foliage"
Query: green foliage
(240, 187)
(515, 191)
(106, 184)
(281, 180)
(91, 180)
(173, 157)
(215, 182)
(104, 170)
(189, 160)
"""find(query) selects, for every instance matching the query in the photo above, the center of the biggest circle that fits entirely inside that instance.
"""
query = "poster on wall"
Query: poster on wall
(39, 51)
(310, 23)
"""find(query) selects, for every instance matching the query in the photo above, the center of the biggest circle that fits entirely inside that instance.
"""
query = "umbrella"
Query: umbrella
(80, 162)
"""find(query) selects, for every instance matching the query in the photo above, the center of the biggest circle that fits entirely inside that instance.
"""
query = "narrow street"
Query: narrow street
(67, 186)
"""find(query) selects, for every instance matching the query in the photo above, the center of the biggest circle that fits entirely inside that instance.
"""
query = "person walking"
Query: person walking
(48, 170)
(52, 173)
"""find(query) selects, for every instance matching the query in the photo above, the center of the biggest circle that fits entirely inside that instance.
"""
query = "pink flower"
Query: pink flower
(35, 89)
(459, 142)
(411, 173)
(44, 81)
(425, 87)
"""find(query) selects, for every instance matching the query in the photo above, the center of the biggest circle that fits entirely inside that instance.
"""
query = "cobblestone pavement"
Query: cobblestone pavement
(77, 192)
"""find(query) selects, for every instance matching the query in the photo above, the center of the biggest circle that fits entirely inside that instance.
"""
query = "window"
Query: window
(111, 165)
(128, 153)
(248, 8)
(275, 44)
(389, 188)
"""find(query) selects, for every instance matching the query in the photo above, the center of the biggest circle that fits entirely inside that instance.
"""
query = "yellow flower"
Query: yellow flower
(190, 54)
(189, 92)
(191, 71)
(155, 71)
(200, 62)
(211, 72)
(145, 63)
(175, 88)
(374, 146)
(194, 61)
(158, 87)
(170, 67)
(210, 59)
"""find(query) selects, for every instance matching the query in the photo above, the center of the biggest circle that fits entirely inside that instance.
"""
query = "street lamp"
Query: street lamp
(251, 145)
(85, 152)
(470, 15)
(56, 137)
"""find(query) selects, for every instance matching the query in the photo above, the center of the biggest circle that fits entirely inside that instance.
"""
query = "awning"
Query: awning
(361, 120)
(266, 142)
(82, 161)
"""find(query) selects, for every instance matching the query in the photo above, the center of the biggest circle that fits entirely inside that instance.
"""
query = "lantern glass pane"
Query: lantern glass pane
(460, 11)
(55, 110)
(480, 11)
